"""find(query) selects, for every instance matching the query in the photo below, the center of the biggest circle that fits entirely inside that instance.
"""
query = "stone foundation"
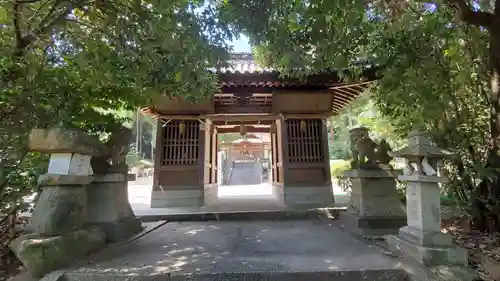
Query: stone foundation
(109, 208)
(210, 193)
(421, 248)
(422, 239)
(374, 199)
(308, 196)
(62, 205)
(43, 254)
(177, 198)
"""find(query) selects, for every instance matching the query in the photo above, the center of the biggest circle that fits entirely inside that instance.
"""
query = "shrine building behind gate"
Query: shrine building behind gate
(250, 100)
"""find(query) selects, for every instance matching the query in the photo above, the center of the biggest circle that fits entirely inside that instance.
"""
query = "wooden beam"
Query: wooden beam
(249, 129)
(306, 116)
(263, 89)
(235, 109)
(353, 84)
(244, 122)
(241, 117)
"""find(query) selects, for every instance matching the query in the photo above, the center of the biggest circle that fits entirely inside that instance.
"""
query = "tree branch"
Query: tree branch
(17, 28)
(469, 16)
(50, 20)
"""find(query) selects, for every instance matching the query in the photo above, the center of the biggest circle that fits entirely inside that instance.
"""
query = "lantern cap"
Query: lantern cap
(420, 145)
(359, 129)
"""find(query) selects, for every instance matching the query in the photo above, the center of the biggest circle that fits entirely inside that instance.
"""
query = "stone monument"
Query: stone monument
(422, 238)
(60, 213)
(77, 211)
(374, 197)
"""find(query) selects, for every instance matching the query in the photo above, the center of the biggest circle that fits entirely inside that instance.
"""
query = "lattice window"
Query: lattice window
(181, 142)
(304, 141)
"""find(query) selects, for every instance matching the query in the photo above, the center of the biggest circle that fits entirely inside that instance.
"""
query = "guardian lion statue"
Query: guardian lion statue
(367, 153)
(114, 161)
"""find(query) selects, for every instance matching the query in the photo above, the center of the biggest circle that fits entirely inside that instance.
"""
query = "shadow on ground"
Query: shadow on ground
(250, 247)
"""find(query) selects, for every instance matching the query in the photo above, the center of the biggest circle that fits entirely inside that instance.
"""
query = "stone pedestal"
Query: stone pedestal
(42, 254)
(422, 238)
(177, 197)
(108, 207)
(61, 206)
(60, 216)
(306, 196)
(211, 192)
(59, 220)
(375, 201)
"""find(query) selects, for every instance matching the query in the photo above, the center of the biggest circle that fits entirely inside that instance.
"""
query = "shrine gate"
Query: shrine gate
(250, 100)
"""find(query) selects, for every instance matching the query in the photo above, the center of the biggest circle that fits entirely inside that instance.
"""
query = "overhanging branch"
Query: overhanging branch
(470, 16)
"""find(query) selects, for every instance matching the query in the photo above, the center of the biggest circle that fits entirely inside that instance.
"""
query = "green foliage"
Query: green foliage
(435, 70)
(361, 112)
(229, 137)
(338, 167)
(76, 63)
(133, 158)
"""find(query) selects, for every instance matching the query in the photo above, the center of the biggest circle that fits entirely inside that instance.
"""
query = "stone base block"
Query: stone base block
(107, 199)
(122, 229)
(429, 256)
(380, 225)
(377, 197)
(426, 239)
(177, 198)
(452, 273)
(41, 255)
(210, 194)
(62, 205)
(308, 196)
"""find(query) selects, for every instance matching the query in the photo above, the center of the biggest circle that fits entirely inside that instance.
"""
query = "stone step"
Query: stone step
(334, 275)
(330, 213)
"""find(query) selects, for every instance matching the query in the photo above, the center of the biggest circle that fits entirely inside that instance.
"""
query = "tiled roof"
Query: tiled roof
(243, 63)
(244, 71)
(239, 141)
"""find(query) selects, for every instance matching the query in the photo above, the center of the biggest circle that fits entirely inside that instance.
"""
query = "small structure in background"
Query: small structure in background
(245, 158)
(255, 148)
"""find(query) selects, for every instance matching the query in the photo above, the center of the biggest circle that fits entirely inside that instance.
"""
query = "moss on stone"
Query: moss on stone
(41, 255)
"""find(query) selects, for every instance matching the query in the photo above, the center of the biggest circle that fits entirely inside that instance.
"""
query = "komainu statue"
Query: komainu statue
(367, 153)
(114, 160)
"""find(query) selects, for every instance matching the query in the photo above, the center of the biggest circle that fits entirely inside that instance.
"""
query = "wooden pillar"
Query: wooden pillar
(210, 166)
(213, 147)
(273, 157)
(206, 171)
(280, 151)
(158, 152)
(179, 164)
(326, 154)
(274, 153)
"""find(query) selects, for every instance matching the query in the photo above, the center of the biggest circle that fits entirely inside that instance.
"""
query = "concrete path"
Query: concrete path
(313, 249)
(246, 173)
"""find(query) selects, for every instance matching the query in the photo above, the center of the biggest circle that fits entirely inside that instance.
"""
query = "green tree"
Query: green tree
(75, 63)
(439, 65)
(361, 112)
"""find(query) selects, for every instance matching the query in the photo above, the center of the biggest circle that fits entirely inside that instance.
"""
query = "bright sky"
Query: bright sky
(241, 45)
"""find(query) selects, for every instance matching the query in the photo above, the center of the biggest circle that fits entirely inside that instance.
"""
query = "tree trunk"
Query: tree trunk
(486, 205)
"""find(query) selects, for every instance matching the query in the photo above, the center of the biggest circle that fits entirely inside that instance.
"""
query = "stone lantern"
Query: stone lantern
(422, 238)
(421, 155)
